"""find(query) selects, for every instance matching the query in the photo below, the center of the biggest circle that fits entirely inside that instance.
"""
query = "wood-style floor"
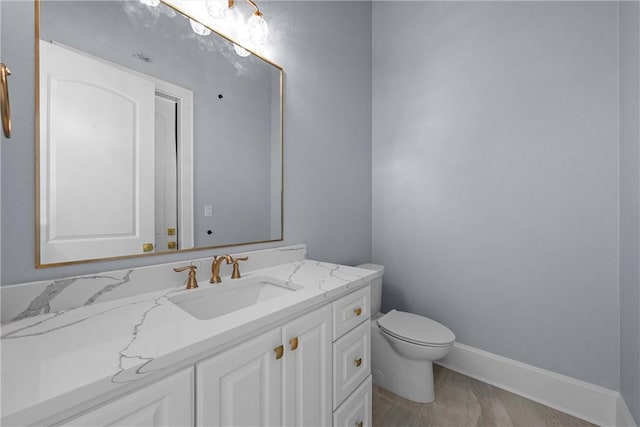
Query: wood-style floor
(463, 401)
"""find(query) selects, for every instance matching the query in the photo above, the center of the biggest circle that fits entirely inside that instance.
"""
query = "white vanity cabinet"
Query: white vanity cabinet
(282, 377)
(310, 370)
(352, 389)
(168, 402)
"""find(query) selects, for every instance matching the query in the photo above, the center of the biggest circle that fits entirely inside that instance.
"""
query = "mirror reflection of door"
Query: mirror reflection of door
(95, 178)
(166, 184)
(115, 178)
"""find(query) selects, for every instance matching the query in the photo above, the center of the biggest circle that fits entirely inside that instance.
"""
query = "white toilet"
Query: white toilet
(404, 346)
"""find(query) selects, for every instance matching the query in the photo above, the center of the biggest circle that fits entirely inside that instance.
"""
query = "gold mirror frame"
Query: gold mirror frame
(4, 96)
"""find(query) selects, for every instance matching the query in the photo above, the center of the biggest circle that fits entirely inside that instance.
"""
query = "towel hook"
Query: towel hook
(5, 108)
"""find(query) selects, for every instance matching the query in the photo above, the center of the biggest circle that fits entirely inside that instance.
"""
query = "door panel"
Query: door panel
(168, 402)
(166, 182)
(96, 164)
(307, 376)
(241, 386)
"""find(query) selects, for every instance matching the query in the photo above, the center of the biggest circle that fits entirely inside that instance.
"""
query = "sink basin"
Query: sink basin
(217, 300)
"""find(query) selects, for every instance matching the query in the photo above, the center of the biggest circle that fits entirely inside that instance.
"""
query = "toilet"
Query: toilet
(404, 346)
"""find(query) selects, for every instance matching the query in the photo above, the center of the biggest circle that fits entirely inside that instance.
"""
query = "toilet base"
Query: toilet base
(417, 388)
(411, 379)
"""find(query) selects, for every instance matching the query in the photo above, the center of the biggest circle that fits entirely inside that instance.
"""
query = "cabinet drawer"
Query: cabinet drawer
(351, 362)
(356, 410)
(350, 311)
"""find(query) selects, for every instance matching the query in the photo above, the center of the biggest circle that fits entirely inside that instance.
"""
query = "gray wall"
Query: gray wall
(630, 205)
(495, 175)
(327, 137)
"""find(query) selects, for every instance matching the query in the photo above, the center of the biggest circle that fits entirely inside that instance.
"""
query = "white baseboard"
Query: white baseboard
(623, 416)
(587, 401)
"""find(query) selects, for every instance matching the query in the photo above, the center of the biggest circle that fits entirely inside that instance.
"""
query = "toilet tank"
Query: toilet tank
(376, 287)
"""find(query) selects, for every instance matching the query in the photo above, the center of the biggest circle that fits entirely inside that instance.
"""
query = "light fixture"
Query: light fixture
(218, 9)
(253, 34)
(257, 29)
(152, 3)
(199, 29)
(240, 50)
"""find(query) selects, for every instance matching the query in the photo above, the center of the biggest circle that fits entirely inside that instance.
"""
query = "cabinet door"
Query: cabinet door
(241, 386)
(307, 375)
(168, 402)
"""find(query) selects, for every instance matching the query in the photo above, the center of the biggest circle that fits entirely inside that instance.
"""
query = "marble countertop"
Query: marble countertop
(58, 359)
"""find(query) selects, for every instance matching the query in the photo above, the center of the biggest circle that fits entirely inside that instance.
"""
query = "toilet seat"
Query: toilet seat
(416, 329)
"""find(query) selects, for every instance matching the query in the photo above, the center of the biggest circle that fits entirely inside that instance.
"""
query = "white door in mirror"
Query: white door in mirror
(166, 184)
(94, 204)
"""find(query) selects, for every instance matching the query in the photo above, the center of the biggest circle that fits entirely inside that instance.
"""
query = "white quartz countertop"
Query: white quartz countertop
(57, 359)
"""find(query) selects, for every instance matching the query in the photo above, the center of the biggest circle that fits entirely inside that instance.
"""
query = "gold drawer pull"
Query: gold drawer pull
(360, 423)
(294, 343)
(147, 247)
(358, 361)
(279, 351)
(358, 311)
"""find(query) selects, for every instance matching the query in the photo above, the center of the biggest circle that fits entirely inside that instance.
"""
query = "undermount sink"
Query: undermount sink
(217, 300)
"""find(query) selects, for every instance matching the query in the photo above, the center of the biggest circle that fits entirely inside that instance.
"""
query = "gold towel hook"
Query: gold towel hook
(5, 109)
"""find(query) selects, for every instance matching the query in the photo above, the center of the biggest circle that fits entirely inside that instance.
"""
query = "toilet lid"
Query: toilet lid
(414, 328)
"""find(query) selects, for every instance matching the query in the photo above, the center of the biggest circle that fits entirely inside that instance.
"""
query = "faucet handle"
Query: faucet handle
(236, 269)
(192, 281)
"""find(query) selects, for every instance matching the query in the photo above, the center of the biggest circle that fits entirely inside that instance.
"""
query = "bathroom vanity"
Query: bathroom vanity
(301, 357)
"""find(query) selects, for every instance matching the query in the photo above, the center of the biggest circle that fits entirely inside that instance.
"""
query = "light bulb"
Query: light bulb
(218, 8)
(257, 29)
(241, 51)
(152, 3)
(199, 29)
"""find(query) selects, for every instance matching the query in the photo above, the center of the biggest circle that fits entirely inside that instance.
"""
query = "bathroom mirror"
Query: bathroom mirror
(152, 138)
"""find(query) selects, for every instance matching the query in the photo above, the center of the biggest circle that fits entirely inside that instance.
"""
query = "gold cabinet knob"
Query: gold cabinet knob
(147, 247)
(358, 361)
(358, 311)
(279, 351)
(294, 343)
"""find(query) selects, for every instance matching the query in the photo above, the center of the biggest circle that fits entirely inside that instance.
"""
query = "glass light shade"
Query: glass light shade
(241, 51)
(199, 29)
(217, 8)
(257, 29)
(152, 3)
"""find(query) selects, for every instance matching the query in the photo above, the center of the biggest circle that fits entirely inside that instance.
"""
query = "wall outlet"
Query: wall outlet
(208, 210)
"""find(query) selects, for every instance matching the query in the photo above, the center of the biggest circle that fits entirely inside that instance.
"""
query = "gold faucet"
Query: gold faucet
(192, 281)
(215, 267)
